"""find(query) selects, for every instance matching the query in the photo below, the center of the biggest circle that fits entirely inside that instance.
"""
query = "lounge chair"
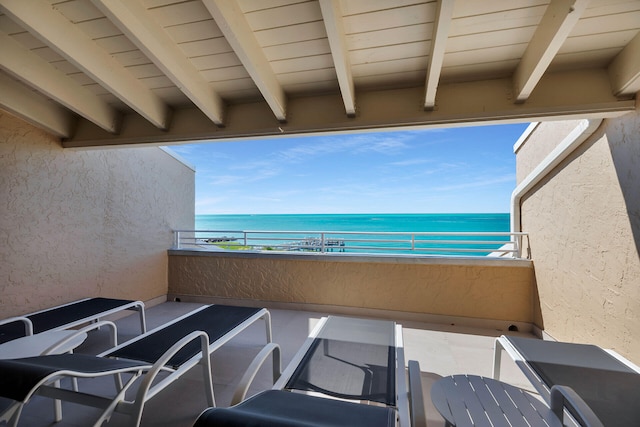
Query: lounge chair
(285, 409)
(344, 361)
(606, 381)
(471, 400)
(173, 348)
(67, 316)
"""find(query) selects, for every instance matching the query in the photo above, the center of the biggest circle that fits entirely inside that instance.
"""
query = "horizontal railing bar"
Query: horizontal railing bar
(438, 243)
(391, 248)
(407, 233)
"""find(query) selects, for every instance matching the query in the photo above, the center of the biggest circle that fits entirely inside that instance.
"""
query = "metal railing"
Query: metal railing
(495, 244)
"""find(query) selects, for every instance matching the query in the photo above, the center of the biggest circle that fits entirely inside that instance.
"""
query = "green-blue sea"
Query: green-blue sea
(357, 222)
(459, 222)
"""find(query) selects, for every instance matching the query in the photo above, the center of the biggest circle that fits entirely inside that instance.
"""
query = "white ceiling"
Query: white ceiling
(105, 72)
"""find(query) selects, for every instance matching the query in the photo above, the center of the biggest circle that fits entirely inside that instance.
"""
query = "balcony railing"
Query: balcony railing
(497, 244)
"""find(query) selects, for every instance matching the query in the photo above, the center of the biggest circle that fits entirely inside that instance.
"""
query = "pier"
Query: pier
(315, 244)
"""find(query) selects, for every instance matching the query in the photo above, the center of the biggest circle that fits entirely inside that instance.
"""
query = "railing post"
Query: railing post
(322, 250)
(413, 242)
(244, 233)
(176, 239)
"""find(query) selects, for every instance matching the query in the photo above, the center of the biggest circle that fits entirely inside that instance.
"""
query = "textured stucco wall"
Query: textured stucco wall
(584, 226)
(531, 153)
(490, 291)
(77, 224)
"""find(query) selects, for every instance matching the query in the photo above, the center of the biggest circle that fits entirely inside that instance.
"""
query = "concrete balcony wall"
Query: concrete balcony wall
(85, 223)
(583, 222)
(495, 290)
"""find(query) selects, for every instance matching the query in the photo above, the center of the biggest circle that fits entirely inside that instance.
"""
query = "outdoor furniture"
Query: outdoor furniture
(173, 348)
(606, 381)
(67, 316)
(280, 408)
(358, 360)
(475, 401)
(53, 342)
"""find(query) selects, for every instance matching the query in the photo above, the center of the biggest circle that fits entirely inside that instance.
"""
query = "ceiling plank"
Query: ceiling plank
(134, 21)
(559, 19)
(35, 108)
(439, 38)
(558, 96)
(239, 34)
(332, 16)
(39, 74)
(624, 71)
(52, 28)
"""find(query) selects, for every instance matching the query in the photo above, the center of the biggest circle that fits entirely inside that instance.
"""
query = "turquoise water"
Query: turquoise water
(366, 223)
(357, 222)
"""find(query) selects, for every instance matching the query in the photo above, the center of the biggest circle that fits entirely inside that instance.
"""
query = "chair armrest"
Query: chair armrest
(28, 326)
(252, 370)
(416, 398)
(563, 396)
(112, 327)
(159, 365)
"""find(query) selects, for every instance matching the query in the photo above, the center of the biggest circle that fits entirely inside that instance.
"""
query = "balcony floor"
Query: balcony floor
(440, 349)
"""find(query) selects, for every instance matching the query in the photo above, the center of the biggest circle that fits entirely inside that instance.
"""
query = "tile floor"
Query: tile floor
(440, 349)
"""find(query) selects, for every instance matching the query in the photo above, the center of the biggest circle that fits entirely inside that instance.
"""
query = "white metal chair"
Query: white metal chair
(173, 348)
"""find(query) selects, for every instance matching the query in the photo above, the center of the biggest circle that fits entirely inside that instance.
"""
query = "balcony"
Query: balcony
(440, 349)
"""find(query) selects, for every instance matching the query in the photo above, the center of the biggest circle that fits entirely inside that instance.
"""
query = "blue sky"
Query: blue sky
(458, 170)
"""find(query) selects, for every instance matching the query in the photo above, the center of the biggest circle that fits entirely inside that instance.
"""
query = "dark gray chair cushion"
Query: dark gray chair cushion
(609, 387)
(287, 409)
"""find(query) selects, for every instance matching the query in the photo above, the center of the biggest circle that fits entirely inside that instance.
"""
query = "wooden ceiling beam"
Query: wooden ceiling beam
(332, 16)
(52, 28)
(559, 19)
(558, 96)
(133, 19)
(34, 71)
(239, 35)
(624, 71)
(35, 108)
(439, 38)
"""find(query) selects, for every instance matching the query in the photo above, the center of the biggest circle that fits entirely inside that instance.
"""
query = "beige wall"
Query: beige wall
(496, 290)
(531, 153)
(584, 226)
(77, 224)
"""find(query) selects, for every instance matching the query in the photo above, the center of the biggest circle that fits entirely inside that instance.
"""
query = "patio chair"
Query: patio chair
(173, 348)
(349, 372)
(285, 409)
(67, 316)
(606, 381)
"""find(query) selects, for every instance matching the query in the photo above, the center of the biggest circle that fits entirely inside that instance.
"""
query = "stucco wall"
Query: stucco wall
(77, 224)
(496, 290)
(531, 153)
(584, 226)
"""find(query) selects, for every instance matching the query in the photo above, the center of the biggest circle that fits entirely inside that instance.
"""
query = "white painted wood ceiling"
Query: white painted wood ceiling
(105, 72)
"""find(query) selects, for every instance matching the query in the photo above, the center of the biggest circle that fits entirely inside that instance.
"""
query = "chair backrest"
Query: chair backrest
(608, 386)
(15, 327)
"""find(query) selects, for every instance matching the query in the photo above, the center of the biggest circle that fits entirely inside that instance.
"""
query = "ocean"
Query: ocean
(364, 223)
(357, 222)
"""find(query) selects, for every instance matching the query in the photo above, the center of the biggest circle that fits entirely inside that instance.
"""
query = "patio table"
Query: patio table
(475, 401)
(35, 345)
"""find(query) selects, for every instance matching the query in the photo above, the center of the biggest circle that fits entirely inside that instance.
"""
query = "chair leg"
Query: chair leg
(137, 412)
(497, 359)
(57, 405)
(12, 414)
(208, 381)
